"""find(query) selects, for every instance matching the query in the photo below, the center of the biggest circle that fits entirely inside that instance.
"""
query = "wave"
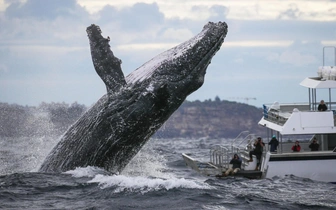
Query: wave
(122, 183)
(145, 184)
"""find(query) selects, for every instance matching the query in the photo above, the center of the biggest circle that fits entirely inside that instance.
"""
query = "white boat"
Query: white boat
(288, 122)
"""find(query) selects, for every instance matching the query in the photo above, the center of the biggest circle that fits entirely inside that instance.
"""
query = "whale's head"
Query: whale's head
(183, 67)
(176, 73)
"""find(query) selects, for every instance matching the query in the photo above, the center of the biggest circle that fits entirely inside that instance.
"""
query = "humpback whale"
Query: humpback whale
(134, 107)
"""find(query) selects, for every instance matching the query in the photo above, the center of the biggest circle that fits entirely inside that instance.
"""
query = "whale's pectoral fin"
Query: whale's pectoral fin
(107, 66)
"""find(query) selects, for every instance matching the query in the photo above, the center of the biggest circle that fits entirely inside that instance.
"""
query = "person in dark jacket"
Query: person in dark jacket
(274, 144)
(236, 165)
(296, 147)
(322, 106)
(258, 150)
(314, 146)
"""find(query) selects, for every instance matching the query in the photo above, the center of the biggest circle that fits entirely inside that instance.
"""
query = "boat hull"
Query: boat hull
(319, 166)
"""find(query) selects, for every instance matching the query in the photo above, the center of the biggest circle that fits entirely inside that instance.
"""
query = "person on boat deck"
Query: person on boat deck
(258, 150)
(314, 146)
(236, 165)
(296, 147)
(274, 144)
(322, 106)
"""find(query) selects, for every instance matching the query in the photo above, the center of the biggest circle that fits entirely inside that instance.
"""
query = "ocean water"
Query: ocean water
(157, 178)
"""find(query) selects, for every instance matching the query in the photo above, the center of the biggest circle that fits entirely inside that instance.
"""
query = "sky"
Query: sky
(270, 47)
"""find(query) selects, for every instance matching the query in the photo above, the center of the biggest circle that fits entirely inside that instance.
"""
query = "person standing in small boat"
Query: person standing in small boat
(322, 106)
(236, 165)
(274, 144)
(258, 150)
(314, 146)
(296, 147)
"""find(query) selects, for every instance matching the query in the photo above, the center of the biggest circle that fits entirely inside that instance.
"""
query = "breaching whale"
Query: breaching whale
(113, 130)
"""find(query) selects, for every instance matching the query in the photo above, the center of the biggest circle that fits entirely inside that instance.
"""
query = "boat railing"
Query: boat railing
(274, 114)
(279, 113)
(220, 155)
(330, 105)
(242, 146)
(241, 140)
(245, 144)
(240, 136)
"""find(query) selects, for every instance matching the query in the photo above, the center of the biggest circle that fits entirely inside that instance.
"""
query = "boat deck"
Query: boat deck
(209, 169)
(250, 174)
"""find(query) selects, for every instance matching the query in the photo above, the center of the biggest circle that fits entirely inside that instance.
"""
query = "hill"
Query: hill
(214, 119)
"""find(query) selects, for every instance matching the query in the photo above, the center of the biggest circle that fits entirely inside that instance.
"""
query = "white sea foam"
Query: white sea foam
(145, 184)
(24, 154)
(146, 172)
(137, 183)
(149, 162)
(89, 171)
